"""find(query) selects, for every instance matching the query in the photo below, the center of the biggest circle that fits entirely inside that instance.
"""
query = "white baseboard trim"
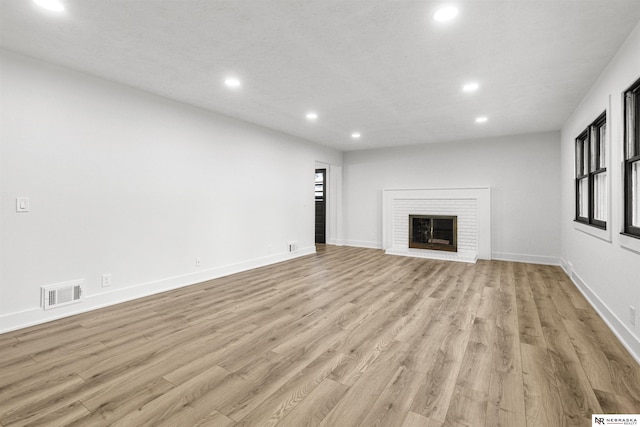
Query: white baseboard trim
(335, 242)
(34, 316)
(362, 244)
(529, 259)
(618, 327)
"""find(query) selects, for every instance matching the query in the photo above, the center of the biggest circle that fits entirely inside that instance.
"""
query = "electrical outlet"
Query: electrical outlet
(198, 262)
(632, 315)
(106, 280)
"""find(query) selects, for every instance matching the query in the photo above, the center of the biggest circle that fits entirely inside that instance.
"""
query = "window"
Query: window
(591, 174)
(632, 160)
(320, 173)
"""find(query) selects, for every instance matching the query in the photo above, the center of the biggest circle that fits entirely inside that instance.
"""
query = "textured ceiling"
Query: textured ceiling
(381, 67)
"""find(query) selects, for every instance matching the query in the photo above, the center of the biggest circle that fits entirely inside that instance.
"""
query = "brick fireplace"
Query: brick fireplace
(470, 206)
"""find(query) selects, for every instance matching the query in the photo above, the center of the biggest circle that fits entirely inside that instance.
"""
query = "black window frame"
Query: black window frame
(631, 138)
(588, 150)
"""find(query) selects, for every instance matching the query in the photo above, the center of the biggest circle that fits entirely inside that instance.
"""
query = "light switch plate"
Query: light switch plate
(22, 204)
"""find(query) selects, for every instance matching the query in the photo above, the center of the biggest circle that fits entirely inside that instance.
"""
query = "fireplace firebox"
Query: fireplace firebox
(436, 232)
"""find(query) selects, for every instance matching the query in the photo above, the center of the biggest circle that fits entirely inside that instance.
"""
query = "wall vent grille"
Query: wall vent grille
(61, 294)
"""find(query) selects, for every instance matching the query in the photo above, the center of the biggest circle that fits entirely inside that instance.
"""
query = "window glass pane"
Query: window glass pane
(578, 158)
(630, 120)
(600, 196)
(583, 198)
(319, 186)
(636, 121)
(603, 151)
(585, 157)
(635, 194)
(592, 150)
(582, 157)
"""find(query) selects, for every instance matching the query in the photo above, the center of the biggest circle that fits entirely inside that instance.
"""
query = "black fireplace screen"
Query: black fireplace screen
(433, 232)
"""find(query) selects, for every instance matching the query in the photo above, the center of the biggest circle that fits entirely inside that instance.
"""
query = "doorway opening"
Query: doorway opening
(321, 205)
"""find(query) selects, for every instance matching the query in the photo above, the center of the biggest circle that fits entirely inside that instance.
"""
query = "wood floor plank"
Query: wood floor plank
(327, 321)
(353, 408)
(541, 397)
(271, 381)
(507, 340)
(505, 406)
(183, 404)
(46, 347)
(64, 416)
(415, 324)
(395, 400)
(528, 319)
(29, 406)
(592, 357)
(417, 420)
(368, 341)
(113, 403)
(488, 301)
(573, 383)
(344, 337)
(149, 364)
(434, 396)
(471, 394)
(624, 375)
(616, 404)
(284, 400)
(315, 407)
(32, 375)
(215, 419)
(423, 349)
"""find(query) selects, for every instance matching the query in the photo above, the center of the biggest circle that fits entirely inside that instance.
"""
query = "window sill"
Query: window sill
(600, 233)
(630, 242)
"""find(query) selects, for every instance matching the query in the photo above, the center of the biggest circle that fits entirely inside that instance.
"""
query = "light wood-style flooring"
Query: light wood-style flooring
(345, 337)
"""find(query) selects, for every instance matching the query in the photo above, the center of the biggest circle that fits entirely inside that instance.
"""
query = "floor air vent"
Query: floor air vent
(62, 294)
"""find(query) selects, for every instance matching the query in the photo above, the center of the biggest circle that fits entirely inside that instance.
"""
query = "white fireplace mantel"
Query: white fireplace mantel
(471, 205)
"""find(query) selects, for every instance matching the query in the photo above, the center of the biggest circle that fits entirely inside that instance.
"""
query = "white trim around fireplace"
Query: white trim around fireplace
(473, 205)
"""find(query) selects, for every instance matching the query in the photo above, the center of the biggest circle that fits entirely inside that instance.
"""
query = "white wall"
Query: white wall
(522, 171)
(138, 186)
(605, 266)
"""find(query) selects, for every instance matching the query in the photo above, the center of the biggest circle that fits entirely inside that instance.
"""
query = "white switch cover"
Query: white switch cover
(22, 204)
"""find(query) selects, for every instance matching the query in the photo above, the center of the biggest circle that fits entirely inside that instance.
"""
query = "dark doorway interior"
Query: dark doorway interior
(321, 205)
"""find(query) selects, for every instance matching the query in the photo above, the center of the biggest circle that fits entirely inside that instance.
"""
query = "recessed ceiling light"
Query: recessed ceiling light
(445, 14)
(355, 135)
(312, 116)
(232, 82)
(52, 5)
(470, 87)
(481, 119)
